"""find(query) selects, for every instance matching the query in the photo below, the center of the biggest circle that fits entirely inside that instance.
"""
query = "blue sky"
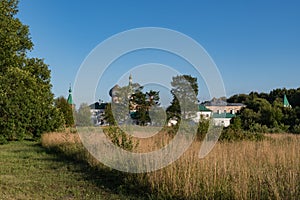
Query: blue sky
(255, 44)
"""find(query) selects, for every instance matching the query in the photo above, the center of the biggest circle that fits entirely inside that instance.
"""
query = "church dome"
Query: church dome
(112, 91)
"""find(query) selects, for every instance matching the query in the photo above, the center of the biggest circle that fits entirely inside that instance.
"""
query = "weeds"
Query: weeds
(268, 169)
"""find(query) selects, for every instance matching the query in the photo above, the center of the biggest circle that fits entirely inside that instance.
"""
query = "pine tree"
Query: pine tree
(184, 91)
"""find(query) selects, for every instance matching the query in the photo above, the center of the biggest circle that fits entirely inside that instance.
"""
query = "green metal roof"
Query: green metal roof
(203, 108)
(286, 102)
(70, 98)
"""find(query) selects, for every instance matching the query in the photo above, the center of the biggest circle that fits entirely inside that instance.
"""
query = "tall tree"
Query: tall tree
(139, 104)
(142, 103)
(121, 108)
(184, 91)
(66, 109)
(83, 115)
(26, 100)
(108, 115)
(14, 37)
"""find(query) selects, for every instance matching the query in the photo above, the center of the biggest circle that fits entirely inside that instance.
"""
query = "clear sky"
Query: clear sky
(255, 44)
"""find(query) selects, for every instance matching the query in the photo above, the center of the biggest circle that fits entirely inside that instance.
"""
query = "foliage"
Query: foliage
(120, 138)
(142, 103)
(108, 115)
(265, 111)
(83, 116)
(292, 94)
(157, 115)
(26, 110)
(296, 129)
(120, 108)
(66, 109)
(231, 134)
(14, 37)
(184, 91)
(202, 130)
(235, 131)
(132, 106)
(26, 100)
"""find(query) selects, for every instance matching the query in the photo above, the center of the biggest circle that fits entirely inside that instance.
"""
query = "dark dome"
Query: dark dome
(112, 91)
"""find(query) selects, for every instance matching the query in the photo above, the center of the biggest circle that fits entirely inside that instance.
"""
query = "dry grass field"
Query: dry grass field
(268, 169)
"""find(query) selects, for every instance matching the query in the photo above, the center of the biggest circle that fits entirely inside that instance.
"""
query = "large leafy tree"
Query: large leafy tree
(184, 91)
(26, 100)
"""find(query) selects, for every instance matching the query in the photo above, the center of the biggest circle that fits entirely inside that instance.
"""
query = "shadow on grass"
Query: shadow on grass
(110, 180)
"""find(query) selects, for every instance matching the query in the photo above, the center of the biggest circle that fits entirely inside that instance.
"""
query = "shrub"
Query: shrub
(230, 134)
(296, 129)
(258, 128)
(202, 130)
(120, 138)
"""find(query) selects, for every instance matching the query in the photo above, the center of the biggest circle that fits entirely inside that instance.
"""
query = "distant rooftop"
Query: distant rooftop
(98, 106)
(203, 108)
(219, 102)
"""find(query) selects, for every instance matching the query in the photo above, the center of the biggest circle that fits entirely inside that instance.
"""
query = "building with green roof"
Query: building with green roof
(219, 118)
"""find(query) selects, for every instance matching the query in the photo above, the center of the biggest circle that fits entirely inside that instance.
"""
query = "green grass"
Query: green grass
(29, 171)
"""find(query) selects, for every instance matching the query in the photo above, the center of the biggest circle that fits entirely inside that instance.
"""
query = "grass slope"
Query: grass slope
(28, 171)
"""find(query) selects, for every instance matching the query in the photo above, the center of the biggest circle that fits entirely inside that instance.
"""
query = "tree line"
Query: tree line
(265, 112)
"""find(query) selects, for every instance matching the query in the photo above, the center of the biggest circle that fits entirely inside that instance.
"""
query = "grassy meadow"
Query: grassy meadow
(268, 169)
(30, 171)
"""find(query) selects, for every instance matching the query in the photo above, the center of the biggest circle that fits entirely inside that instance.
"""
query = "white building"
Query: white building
(222, 119)
(221, 116)
(203, 113)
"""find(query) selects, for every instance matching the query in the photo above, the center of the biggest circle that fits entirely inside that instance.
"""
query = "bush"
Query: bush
(3, 140)
(202, 130)
(120, 138)
(230, 134)
(258, 128)
(296, 129)
(66, 110)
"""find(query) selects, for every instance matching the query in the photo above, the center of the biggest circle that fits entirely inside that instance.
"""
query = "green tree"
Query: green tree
(142, 103)
(203, 127)
(66, 109)
(14, 37)
(24, 112)
(108, 115)
(26, 100)
(157, 115)
(121, 108)
(138, 101)
(83, 115)
(184, 91)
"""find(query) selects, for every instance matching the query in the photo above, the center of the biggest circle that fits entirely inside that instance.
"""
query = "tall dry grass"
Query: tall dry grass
(239, 170)
(268, 169)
